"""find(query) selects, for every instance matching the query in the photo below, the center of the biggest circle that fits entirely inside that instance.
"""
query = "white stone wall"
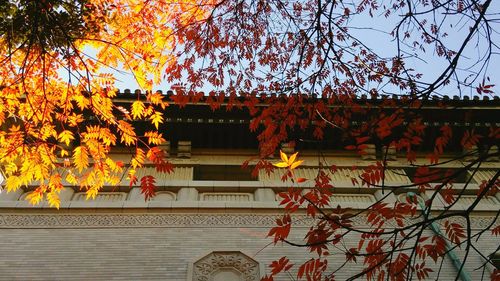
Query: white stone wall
(150, 246)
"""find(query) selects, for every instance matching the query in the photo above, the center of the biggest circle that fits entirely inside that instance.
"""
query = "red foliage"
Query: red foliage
(282, 230)
(148, 187)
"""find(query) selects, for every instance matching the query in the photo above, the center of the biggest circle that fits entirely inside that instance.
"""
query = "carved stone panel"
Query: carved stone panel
(227, 266)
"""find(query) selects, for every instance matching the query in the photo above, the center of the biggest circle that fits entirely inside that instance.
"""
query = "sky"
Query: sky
(427, 63)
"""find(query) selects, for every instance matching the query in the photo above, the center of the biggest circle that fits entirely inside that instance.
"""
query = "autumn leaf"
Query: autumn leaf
(138, 159)
(53, 199)
(148, 187)
(128, 135)
(288, 162)
(12, 183)
(81, 158)
(154, 138)
(138, 109)
(156, 119)
(66, 137)
(36, 196)
(283, 264)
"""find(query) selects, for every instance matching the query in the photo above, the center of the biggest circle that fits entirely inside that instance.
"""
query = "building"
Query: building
(210, 218)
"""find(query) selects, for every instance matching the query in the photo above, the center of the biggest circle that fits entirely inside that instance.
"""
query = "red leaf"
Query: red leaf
(133, 180)
(454, 231)
(281, 231)
(361, 140)
(148, 187)
(496, 231)
(280, 265)
(299, 180)
(157, 156)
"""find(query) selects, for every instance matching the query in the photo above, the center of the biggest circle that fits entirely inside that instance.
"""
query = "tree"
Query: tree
(309, 61)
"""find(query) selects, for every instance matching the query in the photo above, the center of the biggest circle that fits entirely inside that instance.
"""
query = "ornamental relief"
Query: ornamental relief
(227, 266)
(9, 220)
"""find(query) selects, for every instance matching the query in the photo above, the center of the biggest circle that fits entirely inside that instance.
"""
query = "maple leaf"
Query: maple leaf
(157, 99)
(281, 231)
(288, 162)
(132, 177)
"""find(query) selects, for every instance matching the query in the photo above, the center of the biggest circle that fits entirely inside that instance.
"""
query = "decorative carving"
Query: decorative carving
(223, 265)
(61, 220)
(467, 200)
(164, 196)
(102, 196)
(392, 176)
(226, 196)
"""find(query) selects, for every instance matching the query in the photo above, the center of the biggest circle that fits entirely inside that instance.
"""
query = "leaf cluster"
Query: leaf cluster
(47, 24)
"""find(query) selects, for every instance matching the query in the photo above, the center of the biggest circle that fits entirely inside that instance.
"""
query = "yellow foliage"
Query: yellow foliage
(36, 196)
(138, 159)
(154, 138)
(128, 136)
(288, 162)
(138, 109)
(53, 199)
(12, 183)
(156, 119)
(66, 137)
(52, 99)
(80, 158)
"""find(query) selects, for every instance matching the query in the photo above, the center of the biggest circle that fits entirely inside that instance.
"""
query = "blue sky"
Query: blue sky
(426, 63)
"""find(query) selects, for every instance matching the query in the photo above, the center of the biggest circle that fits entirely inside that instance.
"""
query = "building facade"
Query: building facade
(210, 218)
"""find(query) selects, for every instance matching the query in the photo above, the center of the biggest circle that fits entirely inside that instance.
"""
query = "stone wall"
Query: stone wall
(126, 245)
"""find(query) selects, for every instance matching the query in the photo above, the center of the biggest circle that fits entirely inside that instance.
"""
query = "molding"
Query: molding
(180, 220)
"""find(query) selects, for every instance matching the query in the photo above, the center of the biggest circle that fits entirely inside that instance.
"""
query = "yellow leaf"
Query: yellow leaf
(292, 158)
(81, 158)
(283, 156)
(63, 153)
(127, 132)
(138, 159)
(154, 138)
(138, 109)
(157, 99)
(113, 166)
(12, 183)
(281, 164)
(156, 119)
(53, 199)
(75, 119)
(70, 178)
(296, 164)
(66, 137)
(288, 162)
(35, 197)
(10, 168)
(91, 193)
